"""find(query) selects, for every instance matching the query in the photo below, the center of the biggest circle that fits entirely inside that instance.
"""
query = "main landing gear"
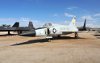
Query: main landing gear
(76, 35)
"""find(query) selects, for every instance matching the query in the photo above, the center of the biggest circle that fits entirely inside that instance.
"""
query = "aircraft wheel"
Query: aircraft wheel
(59, 36)
(49, 40)
(76, 35)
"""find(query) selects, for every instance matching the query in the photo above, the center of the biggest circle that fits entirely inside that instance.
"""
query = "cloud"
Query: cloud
(97, 15)
(71, 8)
(23, 21)
(8, 19)
(55, 15)
(87, 17)
(68, 15)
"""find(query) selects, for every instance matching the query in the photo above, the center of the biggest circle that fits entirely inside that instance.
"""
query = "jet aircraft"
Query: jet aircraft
(16, 28)
(55, 30)
(8, 28)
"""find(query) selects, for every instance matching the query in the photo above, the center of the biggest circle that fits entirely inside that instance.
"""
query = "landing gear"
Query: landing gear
(8, 32)
(59, 36)
(76, 35)
(49, 38)
(19, 32)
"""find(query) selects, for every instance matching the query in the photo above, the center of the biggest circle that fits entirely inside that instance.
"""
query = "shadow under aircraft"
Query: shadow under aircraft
(45, 40)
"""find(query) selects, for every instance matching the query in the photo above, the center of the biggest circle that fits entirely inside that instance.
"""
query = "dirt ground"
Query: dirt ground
(18, 49)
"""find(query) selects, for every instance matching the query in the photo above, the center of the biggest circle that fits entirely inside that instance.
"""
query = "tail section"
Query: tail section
(31, 25)
(16, 24)
(84, 26)
(73, 21)
(72, 25)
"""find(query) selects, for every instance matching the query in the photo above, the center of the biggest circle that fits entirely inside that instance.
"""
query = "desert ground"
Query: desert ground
(18, 49)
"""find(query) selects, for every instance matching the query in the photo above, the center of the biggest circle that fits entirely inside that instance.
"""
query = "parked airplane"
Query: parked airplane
(16, 27)
(56, 30)
(8, 28)
(21, 30)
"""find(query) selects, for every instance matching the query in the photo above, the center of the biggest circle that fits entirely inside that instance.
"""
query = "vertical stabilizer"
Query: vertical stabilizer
(73, 21)
(31, 25)
(16, 24)
(84, 26)
(72, 25)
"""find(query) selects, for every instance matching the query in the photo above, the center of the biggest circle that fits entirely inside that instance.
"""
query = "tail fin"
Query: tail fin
(73, 21)
(31, 25)
(84, 26)
(16, 24)
(72, 25)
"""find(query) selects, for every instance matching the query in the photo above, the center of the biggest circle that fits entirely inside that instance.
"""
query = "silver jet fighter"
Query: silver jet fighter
(57, 30)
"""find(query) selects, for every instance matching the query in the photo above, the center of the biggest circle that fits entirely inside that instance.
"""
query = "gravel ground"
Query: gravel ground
(16, 49)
